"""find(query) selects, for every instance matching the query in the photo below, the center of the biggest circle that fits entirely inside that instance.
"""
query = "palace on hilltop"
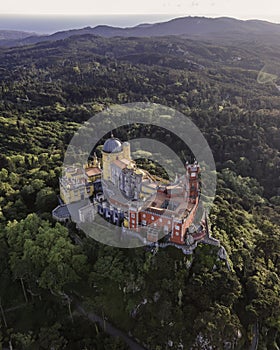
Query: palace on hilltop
(142, 204)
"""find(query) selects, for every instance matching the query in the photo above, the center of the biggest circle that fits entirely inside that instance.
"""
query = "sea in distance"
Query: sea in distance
(48, 24)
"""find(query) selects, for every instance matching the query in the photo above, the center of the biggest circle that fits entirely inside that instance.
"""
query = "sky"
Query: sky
(244, 9)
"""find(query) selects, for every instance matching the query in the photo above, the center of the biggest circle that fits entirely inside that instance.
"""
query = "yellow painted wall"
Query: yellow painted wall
(126, 151)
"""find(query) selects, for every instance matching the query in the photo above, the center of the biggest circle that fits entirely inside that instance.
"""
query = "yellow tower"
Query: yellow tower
(112, 150)
(126, 150)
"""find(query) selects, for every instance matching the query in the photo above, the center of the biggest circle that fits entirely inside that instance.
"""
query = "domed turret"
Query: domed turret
(112, 145)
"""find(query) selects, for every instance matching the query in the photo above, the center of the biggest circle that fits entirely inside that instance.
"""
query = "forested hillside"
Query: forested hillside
(47, 91)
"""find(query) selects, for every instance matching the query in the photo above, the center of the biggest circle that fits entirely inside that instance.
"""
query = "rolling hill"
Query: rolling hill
(194, 27)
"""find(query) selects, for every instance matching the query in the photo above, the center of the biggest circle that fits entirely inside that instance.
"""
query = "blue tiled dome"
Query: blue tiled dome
(112, 145)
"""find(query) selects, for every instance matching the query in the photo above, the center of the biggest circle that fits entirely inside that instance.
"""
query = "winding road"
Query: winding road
(110, 329)
(255, 341)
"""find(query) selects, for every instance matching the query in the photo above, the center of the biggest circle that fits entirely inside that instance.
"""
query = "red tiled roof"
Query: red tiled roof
(93, 171)
(120, 164)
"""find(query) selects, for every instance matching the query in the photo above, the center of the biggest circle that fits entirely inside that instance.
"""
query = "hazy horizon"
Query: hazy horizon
(48, 24)
(51, 23)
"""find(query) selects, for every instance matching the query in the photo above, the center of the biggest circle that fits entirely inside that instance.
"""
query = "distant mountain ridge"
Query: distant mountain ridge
(201, 27)
(14, 34)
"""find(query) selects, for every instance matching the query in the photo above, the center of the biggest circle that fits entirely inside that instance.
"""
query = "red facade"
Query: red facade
(167, 220)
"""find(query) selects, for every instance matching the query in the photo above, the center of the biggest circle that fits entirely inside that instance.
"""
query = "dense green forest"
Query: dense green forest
(192, 302)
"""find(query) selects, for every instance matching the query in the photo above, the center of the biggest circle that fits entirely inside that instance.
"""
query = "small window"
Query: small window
(133, 222)
(144, 215)
(177, 233)
(169, 222)
(133, 216)
(177, 227)
(152, 218)
(160, 220)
